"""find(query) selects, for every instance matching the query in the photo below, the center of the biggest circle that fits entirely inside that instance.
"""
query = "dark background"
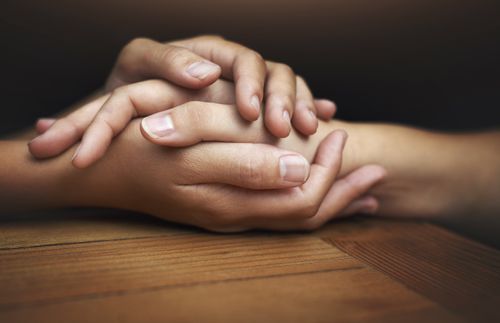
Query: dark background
(433, 64)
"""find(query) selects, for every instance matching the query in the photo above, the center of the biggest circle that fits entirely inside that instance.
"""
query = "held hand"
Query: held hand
(99, 121)
(177, 62)
(197, 62)
(224, 186)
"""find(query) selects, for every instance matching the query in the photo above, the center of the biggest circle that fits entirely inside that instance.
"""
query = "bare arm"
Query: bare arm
(430, 174)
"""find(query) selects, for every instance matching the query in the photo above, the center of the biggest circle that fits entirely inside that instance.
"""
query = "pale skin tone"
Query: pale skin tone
(428, 175)
(144, 58)
(438, 174)
(191, 64)
(416, 185)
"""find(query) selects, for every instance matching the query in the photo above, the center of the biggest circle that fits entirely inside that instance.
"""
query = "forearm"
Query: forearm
(29, 184)
(430, 174)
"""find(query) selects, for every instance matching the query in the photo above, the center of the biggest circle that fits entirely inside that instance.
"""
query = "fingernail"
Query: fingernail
(201, 70)
(33, 140)
(76, 152)
(158, 125)
(286, 117)
(369, 208)
(294, 168)
(312, 115)
(255, 102)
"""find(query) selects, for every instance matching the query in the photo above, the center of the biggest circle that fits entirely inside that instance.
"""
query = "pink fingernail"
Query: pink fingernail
(76, 152)
(294, 168)
(286, 116)
(158, 126)
(255, 102)
(201, 70)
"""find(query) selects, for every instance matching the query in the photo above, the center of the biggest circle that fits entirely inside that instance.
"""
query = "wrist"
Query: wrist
(34, 184)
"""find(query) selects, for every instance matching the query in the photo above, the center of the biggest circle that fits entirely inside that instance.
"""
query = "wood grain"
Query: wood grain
(335, 296)
(464, 276)
(109, 266)
(52, 273)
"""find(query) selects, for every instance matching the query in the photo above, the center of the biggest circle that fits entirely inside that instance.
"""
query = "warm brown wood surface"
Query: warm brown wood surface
(108, 266)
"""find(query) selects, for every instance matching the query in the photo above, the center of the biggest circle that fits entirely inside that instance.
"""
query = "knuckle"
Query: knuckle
(300, 80)
(195, 113)
(119, 92)
(251, 170)
(171, 54)
(134, 43)
(255, 56)
(127, 54)
(212, 37)
(284, 68)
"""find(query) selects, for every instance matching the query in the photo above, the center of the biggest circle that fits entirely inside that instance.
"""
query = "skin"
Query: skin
(229, 174)
(203, 185)
(427, 176)
(288, 98)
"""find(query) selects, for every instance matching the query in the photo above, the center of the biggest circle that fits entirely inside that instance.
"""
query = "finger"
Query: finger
(158, 95)
(363, 205)
(43, 124)
(193, 122)
(290, 203)
(280, 99)
(325, 109)
(343, 198)
(240, 64)
(125, 103)
(253, 166)
(144, 59)
(65, 132)
(343, 192)
(304, 118)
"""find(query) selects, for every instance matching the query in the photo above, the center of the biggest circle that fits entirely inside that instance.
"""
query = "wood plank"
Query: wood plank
(458, 273)
(81, 225)
(52, 273)
(353, 295)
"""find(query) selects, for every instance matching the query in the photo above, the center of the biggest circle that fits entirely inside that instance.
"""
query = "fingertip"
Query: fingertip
(202, 73)
(368, 205)
(339, 138)
(43, 124)
(44, 146)
(277, 119)
(80, 159)
(294, 169)
(364, 205)
(330, 149)
(249, 111)
(33, 148)
(326, 109)
(249, 99)
(304, 119)
(376, 172)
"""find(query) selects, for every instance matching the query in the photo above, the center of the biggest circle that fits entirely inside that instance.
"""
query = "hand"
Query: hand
(99, 121)
(197, 62)
(207, 184)
(143, 59)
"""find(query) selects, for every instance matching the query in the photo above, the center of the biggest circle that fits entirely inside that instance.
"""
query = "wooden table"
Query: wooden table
(109, 266)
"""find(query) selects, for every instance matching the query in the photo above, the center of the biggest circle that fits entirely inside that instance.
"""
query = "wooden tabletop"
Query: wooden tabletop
(110, 266)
